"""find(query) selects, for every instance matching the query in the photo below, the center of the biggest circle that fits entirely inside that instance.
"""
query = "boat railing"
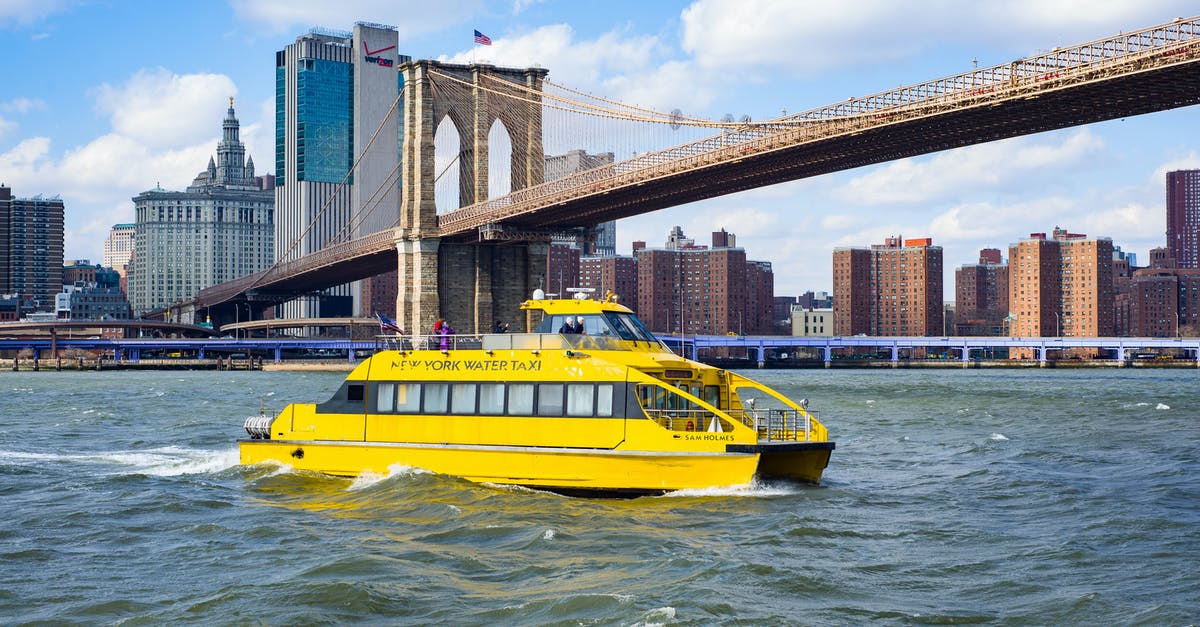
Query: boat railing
(778, 423)
(689, 420)
(501, 341)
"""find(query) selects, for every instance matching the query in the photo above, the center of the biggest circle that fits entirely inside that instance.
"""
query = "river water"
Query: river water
(954, 497)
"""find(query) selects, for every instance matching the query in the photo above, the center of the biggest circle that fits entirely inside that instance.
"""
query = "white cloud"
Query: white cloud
(967, 171)
(519, 6)
(160, 109)
(163, 129)
(812, 37)
(799, 38)
(22, 105)
(26, 12)
(1191, 161)
(410, 17)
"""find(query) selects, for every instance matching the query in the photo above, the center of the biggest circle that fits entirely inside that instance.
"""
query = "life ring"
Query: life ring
(691, 426)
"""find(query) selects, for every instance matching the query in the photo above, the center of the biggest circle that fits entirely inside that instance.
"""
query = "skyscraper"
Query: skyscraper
(219, 229)
(31, 247)
(118, 247)
(891, 289)
(1183, 217)
(334, 97)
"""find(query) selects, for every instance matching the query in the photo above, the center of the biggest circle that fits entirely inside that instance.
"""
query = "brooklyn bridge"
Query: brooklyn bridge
(476, 263)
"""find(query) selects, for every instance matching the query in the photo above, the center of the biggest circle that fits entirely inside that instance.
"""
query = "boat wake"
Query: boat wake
(754, 489)
(167, 461)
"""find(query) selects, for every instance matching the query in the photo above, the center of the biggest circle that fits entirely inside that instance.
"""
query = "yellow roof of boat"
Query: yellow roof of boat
(576, 306)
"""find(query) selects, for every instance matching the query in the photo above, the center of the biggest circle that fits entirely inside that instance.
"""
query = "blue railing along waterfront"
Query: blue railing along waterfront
(132, 349)
(1121, 348)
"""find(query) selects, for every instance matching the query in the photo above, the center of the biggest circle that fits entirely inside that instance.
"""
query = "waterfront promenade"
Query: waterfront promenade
(732, 351)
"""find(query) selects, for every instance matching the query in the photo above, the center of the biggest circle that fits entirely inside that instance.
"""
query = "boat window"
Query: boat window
(408, 398)
(355, 392)
(520, 399)
(435, 397)
(491, 398)
(581, 399)
(652, 397)
(385, 398)
(712, 395)
(623, 331)
(755, 398)
(604, 399)
(550, 399)
(462, 398)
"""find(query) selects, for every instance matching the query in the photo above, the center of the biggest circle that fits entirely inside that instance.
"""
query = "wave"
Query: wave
(167, 461)
(367, 479)
(754, 489)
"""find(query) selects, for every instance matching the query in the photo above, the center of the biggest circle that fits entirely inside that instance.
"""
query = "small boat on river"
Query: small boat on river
(609, 410)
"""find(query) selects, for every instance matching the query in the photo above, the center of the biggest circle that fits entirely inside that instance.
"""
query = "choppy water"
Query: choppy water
(954, 497)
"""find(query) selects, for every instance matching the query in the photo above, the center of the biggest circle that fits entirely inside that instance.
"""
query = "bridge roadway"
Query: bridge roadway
(1129, 74)
(1122, 347)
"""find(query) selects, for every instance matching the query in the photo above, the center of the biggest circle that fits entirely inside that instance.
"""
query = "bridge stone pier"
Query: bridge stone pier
(470, 284)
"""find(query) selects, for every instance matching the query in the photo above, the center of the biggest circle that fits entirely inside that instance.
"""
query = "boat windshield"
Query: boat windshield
(607, 324)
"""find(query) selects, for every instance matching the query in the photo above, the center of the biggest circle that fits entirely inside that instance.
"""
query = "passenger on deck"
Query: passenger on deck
(570, 326)
(443, 330)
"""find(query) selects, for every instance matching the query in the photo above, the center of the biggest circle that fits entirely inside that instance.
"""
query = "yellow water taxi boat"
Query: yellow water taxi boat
(609, 410)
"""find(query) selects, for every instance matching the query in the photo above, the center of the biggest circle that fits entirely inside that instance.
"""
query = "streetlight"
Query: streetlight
(1057, 332)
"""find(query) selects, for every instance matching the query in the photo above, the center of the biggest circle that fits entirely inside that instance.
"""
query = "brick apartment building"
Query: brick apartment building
(1061, 286)
(981, 296)
(703, 290)
(889, 289)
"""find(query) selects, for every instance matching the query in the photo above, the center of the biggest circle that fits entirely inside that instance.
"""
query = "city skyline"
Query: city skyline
(143, 113)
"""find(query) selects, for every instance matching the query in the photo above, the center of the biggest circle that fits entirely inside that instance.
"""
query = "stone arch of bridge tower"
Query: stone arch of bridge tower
(473, 286)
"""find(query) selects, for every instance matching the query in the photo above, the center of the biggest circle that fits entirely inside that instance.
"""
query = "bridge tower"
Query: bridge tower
(469, 284)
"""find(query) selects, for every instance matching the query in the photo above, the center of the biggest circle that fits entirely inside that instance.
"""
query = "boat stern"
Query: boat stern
(795, 461)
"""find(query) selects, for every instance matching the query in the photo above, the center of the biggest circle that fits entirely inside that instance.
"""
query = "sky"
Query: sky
(104, 99)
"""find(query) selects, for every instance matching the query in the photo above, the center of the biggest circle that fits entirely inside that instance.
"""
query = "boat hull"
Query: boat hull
(557, 469)
(796, 461)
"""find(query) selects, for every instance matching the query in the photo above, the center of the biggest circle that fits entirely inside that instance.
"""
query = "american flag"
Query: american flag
(386, 325)
(480, 38)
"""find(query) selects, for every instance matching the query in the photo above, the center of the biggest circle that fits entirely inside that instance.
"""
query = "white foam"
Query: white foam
(548, 535)
(999, 437)
(367, 478)
(1162, 406)
(657, 617)
(754, 489)
(172, 461)
(168, 461)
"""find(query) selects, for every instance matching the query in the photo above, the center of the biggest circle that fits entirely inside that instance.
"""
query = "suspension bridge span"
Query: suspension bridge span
(478, 262)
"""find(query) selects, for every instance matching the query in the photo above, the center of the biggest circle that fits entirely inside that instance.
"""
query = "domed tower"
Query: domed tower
(231, 153)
